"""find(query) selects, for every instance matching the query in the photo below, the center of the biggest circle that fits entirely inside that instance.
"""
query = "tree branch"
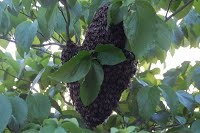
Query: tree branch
(177, 11)
(68, 103)
(170, 2)
(7, 39)
(42, 45)
(68, 18)
(46, 52)
(168, 126)
(1, 69)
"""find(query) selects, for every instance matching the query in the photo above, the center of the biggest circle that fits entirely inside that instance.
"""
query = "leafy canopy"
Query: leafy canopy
(33, 93)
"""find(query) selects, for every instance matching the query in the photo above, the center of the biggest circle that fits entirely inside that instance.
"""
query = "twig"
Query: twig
(39, 31)
(34, 45)
(27, 15)
(68, 18)
(46, 52)
(168, 126)
(63, 14)
(42, 45)
(7, 39)
(170, 2)
(1, 69)
(177, 11)
(68, 103)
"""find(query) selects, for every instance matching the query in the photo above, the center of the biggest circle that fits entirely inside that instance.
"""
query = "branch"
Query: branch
(34, 45)
(170, 2)
(68, 18)
(7, 39)
(169, 126)
(46, 52)
(68, 103)
(1, 69)
(42, 45)
(38, 31)
(180, 9)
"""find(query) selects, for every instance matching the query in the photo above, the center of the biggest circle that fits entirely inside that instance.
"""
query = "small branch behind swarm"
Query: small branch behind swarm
(179, 10)
(64, 2)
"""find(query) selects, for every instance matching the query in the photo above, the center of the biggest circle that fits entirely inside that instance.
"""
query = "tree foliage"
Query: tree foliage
(33, 95)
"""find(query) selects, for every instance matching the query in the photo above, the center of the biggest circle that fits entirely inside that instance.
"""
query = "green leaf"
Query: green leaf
(27, 4)
(197, 98)
(89, 90)
(4, 22)
(196, 126)
(4, 43)
(196, 5)
(194, 76)
(5, 111)
(60, 130)
(31, 131)
(47, 3)
(147, 34)
(47, 129)
(148, 98)
(117, 12)
(24, 34)
(170, 97)
(186, 99)
(161, 118)
(181, 120)
(70, 127)
(109, 55)
(75, 69)
(38, 107)
(19, 109)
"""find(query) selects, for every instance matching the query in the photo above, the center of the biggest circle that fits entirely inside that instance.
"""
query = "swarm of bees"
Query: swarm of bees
(116, 77)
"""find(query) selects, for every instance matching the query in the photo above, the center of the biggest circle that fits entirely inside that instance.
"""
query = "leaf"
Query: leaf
(170, 97)
(89, 90)
(197, 98)
(5, 111)
(186, 99)
(148, 98)
(4, 22)
(24, 34)
(146, 32)
(116, 12)
(161, 118)
(47, 129)
(181, 120)
(59, 130)
(71, 127)
(194, 76)
(196, 5)
(19, 109)
(38, 106)
(27, 4)
(109, 55)
(47, 3)
(196, 126)
(75, 69)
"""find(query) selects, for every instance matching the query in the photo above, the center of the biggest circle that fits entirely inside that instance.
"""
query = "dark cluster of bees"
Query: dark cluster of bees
(116, 77)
